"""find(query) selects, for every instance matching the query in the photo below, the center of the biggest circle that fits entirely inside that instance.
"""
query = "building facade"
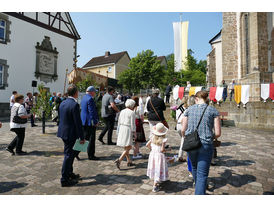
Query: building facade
(109, 65)
(35, 46)
(247, 45)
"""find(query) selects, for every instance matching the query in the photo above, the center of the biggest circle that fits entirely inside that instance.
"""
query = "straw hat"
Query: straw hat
(159, 129)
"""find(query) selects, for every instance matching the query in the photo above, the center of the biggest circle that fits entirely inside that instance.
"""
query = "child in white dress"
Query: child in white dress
(157, 165)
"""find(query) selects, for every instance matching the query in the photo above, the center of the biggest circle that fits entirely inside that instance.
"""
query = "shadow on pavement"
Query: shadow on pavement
(234, 163)
(171, 186)
(102, 179)
(8, 186)
(229, 177)
(46, 153)
(227, 144)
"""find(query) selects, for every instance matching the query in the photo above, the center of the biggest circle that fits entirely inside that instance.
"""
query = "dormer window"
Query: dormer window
(109, 69)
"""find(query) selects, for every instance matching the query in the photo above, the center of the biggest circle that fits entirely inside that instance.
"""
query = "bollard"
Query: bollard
(43, 122)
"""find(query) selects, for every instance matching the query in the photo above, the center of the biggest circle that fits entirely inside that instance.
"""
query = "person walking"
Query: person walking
(179, 116)
(12, 101)
(90, 120)
(201, 157)
(157, 165)
(70, 129)
(224, 85)
(231, 89)
(29, 106)
(156, 107)
(167, 93)
(108, 114)
(18, 124)
(126, 131)
(140, 133)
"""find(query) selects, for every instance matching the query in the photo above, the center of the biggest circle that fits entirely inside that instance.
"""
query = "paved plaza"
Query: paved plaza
(245, 166)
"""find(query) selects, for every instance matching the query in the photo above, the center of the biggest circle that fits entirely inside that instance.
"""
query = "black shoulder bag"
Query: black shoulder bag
(192, 141)
(18, 120)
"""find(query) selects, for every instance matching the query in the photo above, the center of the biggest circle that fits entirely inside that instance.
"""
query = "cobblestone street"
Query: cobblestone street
(245, 166)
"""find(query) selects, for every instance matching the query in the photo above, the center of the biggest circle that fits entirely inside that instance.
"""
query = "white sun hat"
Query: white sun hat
(159, 129)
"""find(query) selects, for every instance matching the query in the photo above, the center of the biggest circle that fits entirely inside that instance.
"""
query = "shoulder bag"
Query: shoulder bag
(18, 120)
(163, 121)
(192, 141)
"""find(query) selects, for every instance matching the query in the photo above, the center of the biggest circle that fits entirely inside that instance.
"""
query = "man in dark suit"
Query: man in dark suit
(90, 120)
(70, 129)
(155, 104)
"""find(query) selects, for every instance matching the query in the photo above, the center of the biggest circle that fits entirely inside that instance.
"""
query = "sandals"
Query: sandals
(117, 163)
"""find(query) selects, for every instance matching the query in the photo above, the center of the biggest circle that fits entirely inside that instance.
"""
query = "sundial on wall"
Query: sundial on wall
(46, 61)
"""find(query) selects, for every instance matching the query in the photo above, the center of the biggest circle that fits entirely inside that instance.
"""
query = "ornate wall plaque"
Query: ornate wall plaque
(46, 61)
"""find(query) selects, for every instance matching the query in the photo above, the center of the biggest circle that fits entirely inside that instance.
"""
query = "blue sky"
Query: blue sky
(134, 32)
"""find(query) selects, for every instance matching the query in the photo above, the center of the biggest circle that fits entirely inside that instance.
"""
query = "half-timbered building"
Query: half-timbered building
(35, 47)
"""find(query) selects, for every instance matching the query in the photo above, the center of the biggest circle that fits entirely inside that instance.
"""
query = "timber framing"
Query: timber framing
(73, 34)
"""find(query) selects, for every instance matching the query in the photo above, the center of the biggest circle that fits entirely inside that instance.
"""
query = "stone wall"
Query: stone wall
(229, 46)
(256, 115)
(4, 110)
(211, 74)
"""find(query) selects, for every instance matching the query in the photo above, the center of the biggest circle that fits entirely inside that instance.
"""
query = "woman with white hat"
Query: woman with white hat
(157, 165)
(126, 130)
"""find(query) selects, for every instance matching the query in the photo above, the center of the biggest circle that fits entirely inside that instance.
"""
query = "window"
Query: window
(1, 75)
(2, 30)
(109, 69)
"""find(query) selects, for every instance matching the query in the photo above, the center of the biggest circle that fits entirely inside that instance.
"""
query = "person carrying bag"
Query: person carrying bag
(192, 140)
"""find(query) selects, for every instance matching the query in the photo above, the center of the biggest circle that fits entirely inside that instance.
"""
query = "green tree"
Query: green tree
(145, 72)
(43, 103)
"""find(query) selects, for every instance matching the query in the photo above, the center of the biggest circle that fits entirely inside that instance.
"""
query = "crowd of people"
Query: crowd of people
(81, 121)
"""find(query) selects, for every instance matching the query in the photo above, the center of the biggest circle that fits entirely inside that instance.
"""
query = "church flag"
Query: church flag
(184, 43)
(180, 30)
(271, 91)
(212, 93)
(237, 93)
(181, 92)
(245, 93)
(177, 29)
(219, 93)
(265, 91)
(192, 91)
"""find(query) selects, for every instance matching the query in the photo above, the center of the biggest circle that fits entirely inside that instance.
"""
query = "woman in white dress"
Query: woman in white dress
(126, 130)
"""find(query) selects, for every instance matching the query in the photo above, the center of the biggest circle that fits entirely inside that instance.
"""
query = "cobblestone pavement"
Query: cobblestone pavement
(245, 166)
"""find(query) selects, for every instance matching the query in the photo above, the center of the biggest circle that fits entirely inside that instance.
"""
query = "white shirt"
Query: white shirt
(179, 115)
(72, 98)
(11, 98)
(147, 100)
(141, 105)
(21, 112)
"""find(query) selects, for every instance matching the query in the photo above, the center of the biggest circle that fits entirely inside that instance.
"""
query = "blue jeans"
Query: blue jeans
(200, 161)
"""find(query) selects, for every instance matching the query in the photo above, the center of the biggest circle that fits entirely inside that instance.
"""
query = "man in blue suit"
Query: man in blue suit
(90, 120)
(70, 129)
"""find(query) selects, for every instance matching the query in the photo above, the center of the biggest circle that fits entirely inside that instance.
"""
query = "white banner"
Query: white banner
(176, 92)
(245, 94)
(265, 91)
(197, 89)
(219, 93)
(177, 29)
